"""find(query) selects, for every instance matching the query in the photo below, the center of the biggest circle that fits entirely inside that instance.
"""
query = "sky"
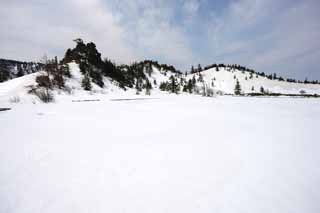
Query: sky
(272, 36)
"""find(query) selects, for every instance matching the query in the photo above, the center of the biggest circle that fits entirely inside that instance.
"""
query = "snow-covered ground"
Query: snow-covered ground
(171, 154)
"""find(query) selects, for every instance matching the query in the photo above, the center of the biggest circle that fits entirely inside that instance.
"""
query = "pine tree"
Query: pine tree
(274, 76)
(148, 87)
(237, 89)
(174, 87)
(194, 80)
(20, 71)
(185, 88)
(251, 76)
(191, 85)
(163, 86)
(86, 83)
(138, 86)
(262, 90)
(200, 79)
(149, 69)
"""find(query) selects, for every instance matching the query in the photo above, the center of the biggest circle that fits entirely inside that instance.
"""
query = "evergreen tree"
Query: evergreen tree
(4, 75)
(138, 86)
(262, 90)
(149, 69)
(86, 83)
(163, 86)
(173, 85)
(190, 86)
(20, 72)
(274, 76)
(148, 87)
(185, 88)
(200, 79)
(194, 80)
(68, 56)
(237, 89)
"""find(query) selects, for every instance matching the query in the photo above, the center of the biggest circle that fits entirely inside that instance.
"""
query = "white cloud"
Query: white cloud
(37, 28)
(262, 34)
(267, 35)
(124, 31)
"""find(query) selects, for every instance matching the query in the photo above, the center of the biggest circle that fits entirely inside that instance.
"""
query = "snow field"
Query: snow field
(172, 154)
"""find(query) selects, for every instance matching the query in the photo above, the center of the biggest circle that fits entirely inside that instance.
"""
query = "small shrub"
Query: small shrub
(44, 95)
(43, 81)
(58, 80)
(302, 92)
(68, 90)
(209, 92)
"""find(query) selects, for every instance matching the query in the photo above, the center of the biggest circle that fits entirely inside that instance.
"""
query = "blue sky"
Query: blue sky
(269, 36)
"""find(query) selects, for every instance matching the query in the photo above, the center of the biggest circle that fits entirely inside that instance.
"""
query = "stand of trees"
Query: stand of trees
(172, 86)
(53, 76)
(10, 69)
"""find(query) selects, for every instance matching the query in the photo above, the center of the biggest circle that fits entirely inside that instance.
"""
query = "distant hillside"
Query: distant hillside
(225, 79)
(83, 72)
(10, 69)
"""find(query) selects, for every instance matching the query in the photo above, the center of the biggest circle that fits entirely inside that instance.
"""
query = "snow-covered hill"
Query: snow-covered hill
(225, 80)
(17, 90)
(222, 81)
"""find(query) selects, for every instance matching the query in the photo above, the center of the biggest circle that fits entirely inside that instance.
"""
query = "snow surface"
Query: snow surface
(172, 154)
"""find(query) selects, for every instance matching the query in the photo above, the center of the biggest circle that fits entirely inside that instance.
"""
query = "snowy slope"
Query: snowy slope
(18, 88)
(226, 80)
